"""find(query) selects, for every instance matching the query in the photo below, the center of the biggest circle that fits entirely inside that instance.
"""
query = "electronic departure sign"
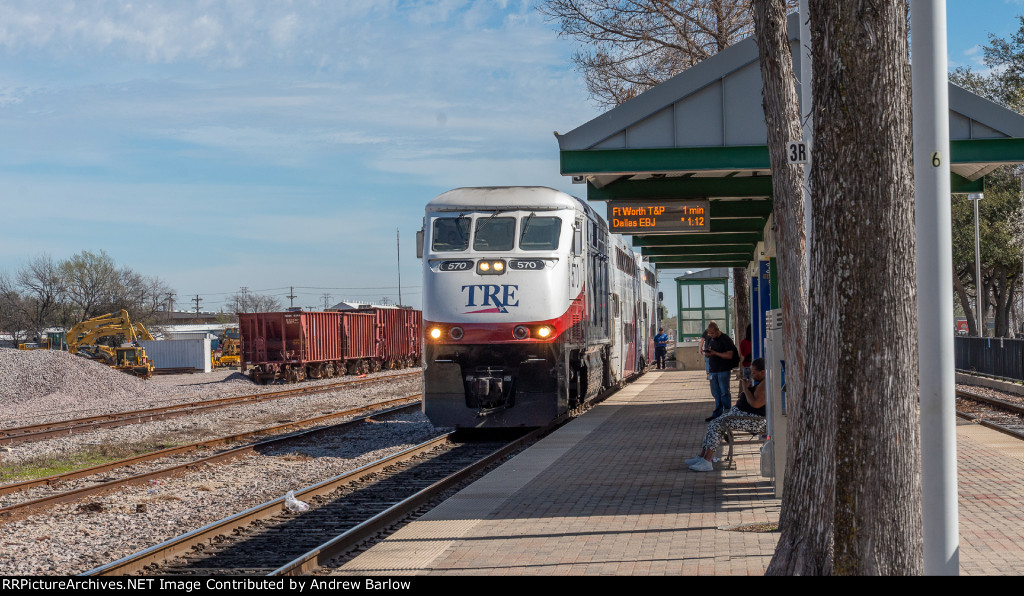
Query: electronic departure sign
(652, 217)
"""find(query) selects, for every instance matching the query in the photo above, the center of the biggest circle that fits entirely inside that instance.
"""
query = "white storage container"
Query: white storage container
(178, 353)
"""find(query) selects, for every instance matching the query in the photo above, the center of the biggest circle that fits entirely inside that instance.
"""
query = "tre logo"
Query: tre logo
(500, 296)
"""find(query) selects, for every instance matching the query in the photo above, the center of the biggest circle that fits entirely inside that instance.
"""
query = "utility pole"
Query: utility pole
(197, 300)
(976, 197)
(398, 244)
(291, 297)
(242, 300)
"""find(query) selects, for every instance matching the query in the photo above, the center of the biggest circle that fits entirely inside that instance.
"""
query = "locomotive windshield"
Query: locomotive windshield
(540, 233)
(495, 233)
(451, 234)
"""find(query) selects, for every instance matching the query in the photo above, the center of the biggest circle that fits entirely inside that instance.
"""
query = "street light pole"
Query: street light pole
(976, 197)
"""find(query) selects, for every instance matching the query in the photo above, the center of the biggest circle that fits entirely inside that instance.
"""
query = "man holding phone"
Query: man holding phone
(719, 350)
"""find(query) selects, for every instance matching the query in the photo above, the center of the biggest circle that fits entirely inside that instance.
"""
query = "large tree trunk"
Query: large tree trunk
(806, 517)
(965, 304)
(1004, 294)
(862, 299)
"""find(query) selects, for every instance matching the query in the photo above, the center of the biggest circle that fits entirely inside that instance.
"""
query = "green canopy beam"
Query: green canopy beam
(707, 239)
(746, 250)
(1003, 150)
(682, 188)
(672, 159)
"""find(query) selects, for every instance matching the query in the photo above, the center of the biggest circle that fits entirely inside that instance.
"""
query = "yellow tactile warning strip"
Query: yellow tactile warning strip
(419, 543)
(1006, 444)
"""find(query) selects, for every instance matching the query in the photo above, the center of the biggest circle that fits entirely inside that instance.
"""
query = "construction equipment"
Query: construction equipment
(52, 341)
(84, 339)
(229, 351)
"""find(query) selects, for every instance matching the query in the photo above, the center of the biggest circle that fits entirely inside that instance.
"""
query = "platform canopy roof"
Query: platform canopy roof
(702, 135)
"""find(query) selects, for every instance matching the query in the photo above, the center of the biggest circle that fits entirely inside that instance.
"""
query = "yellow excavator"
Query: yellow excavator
(83, 339)
(230, 351)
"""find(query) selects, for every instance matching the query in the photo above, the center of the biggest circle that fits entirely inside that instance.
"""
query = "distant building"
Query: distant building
(360, 306)
(184, 317)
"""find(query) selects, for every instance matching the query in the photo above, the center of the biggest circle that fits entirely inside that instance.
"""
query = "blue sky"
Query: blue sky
(221, 144)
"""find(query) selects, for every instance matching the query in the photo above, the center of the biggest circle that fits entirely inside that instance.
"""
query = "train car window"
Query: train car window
(540, 233)
(450, 234)
(495, 233)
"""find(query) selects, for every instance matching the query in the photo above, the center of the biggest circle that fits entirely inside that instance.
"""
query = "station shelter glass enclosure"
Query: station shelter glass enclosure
(703, 297)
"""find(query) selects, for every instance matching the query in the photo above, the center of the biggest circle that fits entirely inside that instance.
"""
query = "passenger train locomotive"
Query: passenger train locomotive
(530, 307)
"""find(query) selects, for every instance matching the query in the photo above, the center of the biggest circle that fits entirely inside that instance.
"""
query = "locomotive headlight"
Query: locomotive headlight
(520, 332)
(493, 267)
(544, 331)
(455, 333)
(435, 333)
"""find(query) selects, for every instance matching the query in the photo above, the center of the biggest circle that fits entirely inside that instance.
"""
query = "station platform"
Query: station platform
(609, 494)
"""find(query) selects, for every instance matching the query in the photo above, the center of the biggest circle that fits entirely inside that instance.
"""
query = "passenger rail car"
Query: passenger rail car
(297, 345)
(530, 307)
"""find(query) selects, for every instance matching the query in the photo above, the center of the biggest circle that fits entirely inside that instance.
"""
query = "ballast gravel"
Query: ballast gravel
(46, 385)
(43, 385)
(73, 538)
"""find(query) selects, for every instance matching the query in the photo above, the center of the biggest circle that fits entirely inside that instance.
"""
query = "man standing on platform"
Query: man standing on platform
(660, 347)
(719, 350)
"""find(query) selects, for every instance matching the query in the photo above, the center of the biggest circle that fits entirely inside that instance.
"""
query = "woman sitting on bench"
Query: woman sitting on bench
(747, 415)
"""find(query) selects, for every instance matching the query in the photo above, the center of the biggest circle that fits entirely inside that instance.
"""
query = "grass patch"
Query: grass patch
(91, 455)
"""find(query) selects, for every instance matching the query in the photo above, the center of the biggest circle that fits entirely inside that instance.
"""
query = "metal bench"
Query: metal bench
(730, 441)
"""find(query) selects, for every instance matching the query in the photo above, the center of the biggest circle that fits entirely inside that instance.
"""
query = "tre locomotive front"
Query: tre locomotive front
(530, 307)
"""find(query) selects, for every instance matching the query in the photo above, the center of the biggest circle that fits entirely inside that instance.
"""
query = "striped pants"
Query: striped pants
(734, 420)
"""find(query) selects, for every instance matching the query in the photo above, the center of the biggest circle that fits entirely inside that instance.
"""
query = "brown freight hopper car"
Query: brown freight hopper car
(399, 335)
(298, 345)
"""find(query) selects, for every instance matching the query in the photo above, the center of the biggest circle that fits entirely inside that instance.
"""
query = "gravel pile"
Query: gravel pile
(50, 379)
(46, 385)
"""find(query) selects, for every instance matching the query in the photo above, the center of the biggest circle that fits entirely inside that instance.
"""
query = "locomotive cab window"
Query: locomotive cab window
(540, 233)
(495, 233)
(450, 234)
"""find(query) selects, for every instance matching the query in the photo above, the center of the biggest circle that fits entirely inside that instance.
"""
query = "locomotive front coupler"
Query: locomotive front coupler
(490, 388)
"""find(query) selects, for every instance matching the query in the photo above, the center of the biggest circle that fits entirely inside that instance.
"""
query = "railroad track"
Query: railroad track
(105, 485)
(47, 430)
(998, 414)
(343, 511)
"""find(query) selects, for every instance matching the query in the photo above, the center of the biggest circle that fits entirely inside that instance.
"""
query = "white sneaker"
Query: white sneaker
(702, 466)
(693, 460)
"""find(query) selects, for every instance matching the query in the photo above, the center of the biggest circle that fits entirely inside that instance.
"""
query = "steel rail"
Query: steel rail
(992, 401)
(19, 510)
(992, 425)
(45, 430)
(174, 547)
(184, 544)
(317, 557)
